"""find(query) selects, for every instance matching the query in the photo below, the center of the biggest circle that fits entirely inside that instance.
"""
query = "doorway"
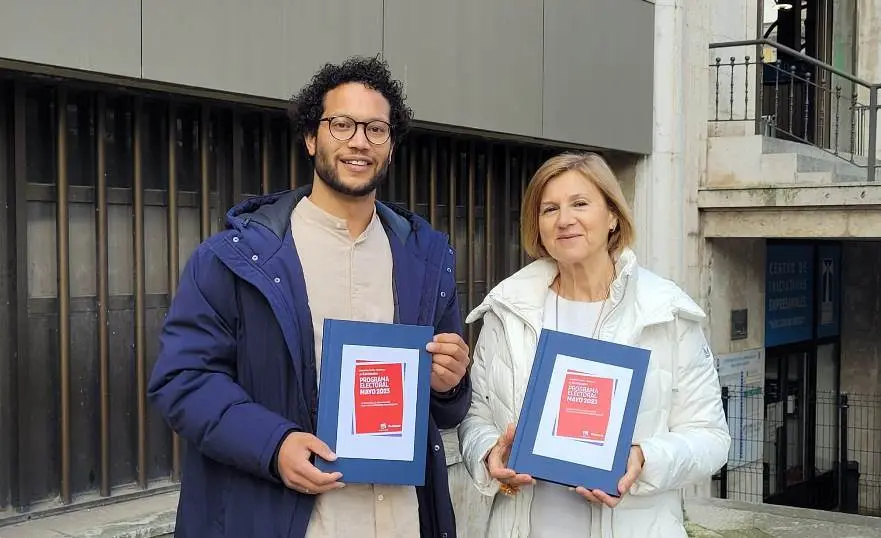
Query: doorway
(802, 365)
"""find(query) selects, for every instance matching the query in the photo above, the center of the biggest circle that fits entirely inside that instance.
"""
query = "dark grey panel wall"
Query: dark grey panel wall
(566, 70)
(473, 64)
(268, 48)
(98, 35)
(598, 72)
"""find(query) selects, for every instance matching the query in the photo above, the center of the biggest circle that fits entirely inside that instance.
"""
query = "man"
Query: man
(240, 350)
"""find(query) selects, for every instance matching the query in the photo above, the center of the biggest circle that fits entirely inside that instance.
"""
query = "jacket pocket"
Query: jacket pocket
(652, 522)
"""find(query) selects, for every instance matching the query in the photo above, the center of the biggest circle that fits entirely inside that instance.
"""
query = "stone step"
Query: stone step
(758, 160)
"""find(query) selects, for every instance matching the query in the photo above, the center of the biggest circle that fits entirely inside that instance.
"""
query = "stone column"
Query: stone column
(665, 206)
(868, 54)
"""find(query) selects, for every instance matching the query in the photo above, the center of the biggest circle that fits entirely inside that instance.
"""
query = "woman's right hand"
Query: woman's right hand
(497, 462)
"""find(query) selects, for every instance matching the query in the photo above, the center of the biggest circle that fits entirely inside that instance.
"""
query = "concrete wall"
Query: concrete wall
(861, 362)
(579, 72)
(733, 20)
(267, 48)
(868, 52)
(99, 35)
(735, 280)
(598, 70)
(665, 195)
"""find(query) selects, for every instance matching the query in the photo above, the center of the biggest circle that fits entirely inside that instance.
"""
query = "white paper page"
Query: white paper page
(577, 451)
(377, 447)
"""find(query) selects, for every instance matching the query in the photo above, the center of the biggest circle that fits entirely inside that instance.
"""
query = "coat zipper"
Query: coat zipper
(535, 333)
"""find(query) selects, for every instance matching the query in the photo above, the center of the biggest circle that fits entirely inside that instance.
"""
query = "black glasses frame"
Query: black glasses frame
(330, 119)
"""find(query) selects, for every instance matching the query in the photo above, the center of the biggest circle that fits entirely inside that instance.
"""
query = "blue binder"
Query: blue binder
(523, 458)
(341, 333)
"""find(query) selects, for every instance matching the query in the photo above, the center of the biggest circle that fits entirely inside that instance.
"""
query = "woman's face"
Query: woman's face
(573, 218)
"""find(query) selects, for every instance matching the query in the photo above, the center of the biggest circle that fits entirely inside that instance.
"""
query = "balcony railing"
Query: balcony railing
(791, 96)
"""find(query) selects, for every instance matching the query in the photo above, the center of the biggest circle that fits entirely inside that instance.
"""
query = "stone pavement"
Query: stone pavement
(153, 517)
(147, 517)
(719, 518)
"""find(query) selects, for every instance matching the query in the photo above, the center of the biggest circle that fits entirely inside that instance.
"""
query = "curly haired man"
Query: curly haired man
(237, 375)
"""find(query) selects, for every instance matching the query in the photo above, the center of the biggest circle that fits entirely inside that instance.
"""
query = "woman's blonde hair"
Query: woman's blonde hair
(594, 169)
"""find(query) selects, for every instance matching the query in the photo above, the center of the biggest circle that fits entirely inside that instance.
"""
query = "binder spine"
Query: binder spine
(527, 402)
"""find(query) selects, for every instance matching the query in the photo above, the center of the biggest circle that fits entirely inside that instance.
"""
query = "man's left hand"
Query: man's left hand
(449, 361)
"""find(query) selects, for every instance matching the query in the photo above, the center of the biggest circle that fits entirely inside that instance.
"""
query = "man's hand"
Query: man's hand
(497, 462)
(634, 469)
(449, 361)
(297, 472)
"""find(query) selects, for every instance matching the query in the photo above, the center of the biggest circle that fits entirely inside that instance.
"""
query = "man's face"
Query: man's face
(353, 167)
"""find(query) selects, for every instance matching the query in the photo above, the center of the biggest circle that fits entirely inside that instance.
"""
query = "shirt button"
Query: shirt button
(380, 498)
(254, 257)
(436, 448)
(277, 280)
(449, 270)
(443, 294)
(235, 239)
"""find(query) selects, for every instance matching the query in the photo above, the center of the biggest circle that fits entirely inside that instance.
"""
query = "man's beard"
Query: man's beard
(328, 174)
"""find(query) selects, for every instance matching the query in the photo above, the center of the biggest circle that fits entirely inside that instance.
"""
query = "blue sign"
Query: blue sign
(789, 294)
(828, 290)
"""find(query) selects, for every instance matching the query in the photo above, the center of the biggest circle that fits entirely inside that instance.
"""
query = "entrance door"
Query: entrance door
(788, 411)
(801, 425)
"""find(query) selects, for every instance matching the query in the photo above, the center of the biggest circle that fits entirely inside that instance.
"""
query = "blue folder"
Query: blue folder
(338, 333)
(550, 345)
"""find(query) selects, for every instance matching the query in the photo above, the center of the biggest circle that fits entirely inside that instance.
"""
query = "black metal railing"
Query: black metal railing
(821, 452)
(796, 97)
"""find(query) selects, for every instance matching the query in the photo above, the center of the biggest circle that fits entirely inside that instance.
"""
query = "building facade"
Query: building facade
(744, 134)
(789, 215)
(128, 128)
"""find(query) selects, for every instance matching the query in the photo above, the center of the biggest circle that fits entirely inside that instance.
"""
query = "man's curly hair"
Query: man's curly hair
(307, 106)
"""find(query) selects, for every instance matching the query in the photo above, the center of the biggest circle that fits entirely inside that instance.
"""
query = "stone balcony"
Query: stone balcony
(758, 186)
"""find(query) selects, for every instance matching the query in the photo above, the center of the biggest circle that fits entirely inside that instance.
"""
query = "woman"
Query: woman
(586, 281)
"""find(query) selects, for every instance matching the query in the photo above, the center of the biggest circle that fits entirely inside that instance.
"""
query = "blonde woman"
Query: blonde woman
(586, 281)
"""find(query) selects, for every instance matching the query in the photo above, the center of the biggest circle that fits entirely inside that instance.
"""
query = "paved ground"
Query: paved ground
(717, 518)
(149, 517)
(153, 517)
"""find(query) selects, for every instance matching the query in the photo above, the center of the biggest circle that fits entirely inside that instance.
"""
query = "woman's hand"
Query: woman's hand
(634, 468)
(497, 464)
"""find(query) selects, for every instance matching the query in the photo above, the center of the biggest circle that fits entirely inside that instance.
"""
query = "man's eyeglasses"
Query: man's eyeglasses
(343, 128)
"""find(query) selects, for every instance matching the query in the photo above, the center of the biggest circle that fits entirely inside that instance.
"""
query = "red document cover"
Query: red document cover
(584, 407)
(379, 398)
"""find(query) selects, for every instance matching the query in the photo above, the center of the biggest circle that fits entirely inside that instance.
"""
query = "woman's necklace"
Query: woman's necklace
(596, 325)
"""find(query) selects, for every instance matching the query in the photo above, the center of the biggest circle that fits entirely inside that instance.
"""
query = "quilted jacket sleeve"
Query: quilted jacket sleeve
(697, 442)
(478, 432)
(448, 410)
(193, 385)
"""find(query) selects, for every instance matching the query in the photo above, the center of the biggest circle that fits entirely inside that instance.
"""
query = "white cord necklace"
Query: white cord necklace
(596, 325)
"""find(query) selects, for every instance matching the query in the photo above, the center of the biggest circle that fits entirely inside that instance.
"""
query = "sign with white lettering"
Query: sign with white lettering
(744, 375)
(789, 294)
(828, 289)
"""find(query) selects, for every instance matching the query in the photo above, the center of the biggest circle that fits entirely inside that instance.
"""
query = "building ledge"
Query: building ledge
(861, 222)
(720, 518)
(145, 517)
(790, 196)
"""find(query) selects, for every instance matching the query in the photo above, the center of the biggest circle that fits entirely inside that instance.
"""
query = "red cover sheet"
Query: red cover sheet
(379, 398)
(585, 404)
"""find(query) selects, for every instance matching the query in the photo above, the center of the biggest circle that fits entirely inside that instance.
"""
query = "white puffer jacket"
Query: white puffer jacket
(680, 425)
